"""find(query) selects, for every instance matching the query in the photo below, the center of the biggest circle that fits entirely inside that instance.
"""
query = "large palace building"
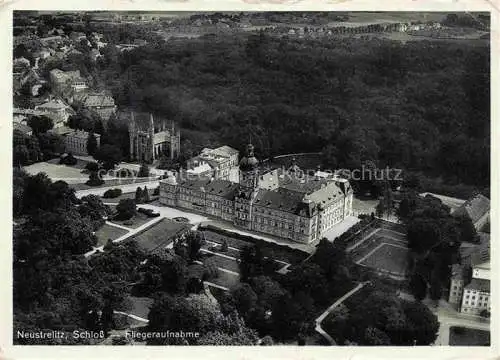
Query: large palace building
(282, 203)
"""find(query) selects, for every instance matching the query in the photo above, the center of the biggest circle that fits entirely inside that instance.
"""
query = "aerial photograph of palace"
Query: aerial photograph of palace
(251, 178)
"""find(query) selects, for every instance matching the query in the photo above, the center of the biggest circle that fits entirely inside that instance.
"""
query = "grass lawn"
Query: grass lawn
(217, 293)
(137, 220)
(364, 205)
(108, 232)
(388, 257)
(160, 235)
(69, 174)
(227, 280)
(80, 164)
(195, 270)
(140, 306)
(220, 261)
(462, 336)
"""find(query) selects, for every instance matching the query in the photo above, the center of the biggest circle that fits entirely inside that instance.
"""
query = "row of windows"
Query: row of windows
(478, 305)
(474, 297)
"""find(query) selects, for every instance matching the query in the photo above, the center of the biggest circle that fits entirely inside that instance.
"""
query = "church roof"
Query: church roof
(479, 284)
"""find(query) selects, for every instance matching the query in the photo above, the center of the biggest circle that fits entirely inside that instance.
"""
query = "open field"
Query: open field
(69, 174)
(394, 16)
(392, 258)
(108, 232)
(159, 235)
(80, 164)
(226, 280)
(383, 249)
(462, 336)
(140, 306)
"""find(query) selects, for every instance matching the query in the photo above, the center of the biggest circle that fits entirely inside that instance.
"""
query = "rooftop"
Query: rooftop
(474, 208)
(98, 99)
(283, 201)
(62, 130)
(142, 120)
(479, 284)
(53, 105)
(22, 127)
(451, 202)
(80, 134)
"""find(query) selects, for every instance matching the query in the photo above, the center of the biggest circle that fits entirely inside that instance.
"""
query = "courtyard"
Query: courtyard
(228, 261)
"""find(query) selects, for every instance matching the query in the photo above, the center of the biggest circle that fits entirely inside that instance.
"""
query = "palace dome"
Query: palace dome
(249, 161)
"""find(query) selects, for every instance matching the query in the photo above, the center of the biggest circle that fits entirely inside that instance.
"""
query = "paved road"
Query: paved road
(125, 188)
(448, 317)
(318, 320)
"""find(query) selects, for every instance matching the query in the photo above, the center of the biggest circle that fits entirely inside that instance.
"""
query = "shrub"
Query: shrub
(224, 246)
(94, 180)
(267, 341)
(210, 270)
(156, 191)
(121, 322)
(92, 166)
(112, 193)
(126, 209)
(68, 160)
(109, 245)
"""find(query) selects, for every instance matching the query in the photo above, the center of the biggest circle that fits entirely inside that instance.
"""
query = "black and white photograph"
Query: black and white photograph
(251, 178)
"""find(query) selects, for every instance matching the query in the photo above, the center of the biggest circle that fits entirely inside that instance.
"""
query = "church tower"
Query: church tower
(249, 169)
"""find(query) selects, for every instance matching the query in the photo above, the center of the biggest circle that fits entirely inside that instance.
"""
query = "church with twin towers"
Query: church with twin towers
(283, 202)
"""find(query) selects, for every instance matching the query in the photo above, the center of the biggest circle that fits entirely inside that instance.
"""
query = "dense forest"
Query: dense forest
(422, 106)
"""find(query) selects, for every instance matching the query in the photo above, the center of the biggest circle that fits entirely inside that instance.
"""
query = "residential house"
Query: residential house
(21, 64)
(57, 110)
(25, 129)
(52, 40)
(66, 83)
(94, 54)
(477, 209)
(102, 104)
(76, 142)
(457, 283)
